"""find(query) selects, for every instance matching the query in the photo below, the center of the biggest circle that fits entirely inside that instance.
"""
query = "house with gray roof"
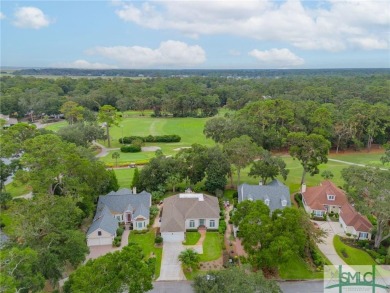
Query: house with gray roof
(122, 206)
(188, 211)
(275, 195)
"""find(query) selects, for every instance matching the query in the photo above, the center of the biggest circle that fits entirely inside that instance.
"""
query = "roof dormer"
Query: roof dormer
(266, 201)
(284, 202)
(331, 196)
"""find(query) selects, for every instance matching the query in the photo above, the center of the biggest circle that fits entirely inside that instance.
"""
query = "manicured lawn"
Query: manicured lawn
(55, 126)
(146, 241)
(17, 188)
(192, 238)
(354, 256)
(124, 176)
(297, 269)
(212, 247)
(369, 159)
(127, 158)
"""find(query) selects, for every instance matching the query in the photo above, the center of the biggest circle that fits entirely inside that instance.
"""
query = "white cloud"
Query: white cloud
(2, 15)
(168, 54)
(83, 64)
(330, 27)
(280, 58)
(30, 17)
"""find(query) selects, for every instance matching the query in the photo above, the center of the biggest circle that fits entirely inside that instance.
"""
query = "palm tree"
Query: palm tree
(189, 259)
(116, 156)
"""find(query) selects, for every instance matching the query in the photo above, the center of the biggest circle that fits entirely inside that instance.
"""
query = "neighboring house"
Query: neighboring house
(187, 211)
(275, 195)
(8, 121)
(122, 206)
(354, 223)
(322, 199)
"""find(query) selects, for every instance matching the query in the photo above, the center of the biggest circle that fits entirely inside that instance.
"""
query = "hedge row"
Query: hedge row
(151, 138)
(130, 148)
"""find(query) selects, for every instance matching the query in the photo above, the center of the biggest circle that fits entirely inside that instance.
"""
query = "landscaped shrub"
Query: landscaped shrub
(158, 240)
(151, 262)
(130, 149)
(119, 231)
(298, 199)
(151, 138)
(348, 234)
(318, 260)
(139, 231)
(222, 226)
(344, 252)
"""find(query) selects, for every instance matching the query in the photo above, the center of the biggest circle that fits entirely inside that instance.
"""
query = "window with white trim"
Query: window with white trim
(192, 224)
(140, 224)
(212, 223)
(363, 235)
(318, 213)
(331, 197)
(99, 233)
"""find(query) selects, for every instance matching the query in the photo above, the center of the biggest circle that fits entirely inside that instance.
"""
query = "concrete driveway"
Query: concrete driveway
(170, 265)
(327, 248)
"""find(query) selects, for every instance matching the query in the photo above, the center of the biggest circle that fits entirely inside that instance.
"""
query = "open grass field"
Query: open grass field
(146, 242)
(364, 158)
(124, 176)
(354, 256)
(192, 238)
(55, 126)
(17, 189)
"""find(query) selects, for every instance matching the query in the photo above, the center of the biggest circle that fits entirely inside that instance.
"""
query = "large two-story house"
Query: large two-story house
(122, 206)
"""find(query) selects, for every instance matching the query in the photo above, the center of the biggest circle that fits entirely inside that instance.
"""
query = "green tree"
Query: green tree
(327, 174)
(120, 271)
(5, 197)
(193, 162)
(272, 240)
(386, 157)
(49, 225)
(19, 270)
(268, 167)
(235, 279)
(241, 151)
(135, 181)
(116, 156)
(369, 189)
(311, 150)
(109, 116)
(217, 169)
(72, 111)
(189, 259)
(81, 134)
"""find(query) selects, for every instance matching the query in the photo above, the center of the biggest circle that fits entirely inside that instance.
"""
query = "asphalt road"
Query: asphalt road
(315, 286)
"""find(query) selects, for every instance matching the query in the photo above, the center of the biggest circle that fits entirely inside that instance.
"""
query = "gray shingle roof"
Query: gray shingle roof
(117, 203)
(104, 221)
(275, 191)
(176, 210)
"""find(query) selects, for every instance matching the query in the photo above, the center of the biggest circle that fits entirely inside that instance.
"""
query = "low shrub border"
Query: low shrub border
(151, 138)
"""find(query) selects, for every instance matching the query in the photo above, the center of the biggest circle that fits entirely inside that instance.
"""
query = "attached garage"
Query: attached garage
(173, 236)
(99, 241)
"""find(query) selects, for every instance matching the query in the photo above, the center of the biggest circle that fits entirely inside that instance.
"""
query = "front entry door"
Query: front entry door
(128, 217)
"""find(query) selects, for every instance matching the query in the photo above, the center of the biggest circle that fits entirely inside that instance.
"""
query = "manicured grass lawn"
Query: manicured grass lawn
(297, 269)
(17, 189)
(355, 256)
(192, 238)
(124, 176)
(212, 247)
(146, 241)
(369, 159)
(55, 126)
(127, 158)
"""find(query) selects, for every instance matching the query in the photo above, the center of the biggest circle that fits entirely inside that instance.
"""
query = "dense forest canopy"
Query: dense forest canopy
(350, 110)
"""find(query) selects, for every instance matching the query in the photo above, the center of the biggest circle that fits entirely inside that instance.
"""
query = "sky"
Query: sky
(214, 34)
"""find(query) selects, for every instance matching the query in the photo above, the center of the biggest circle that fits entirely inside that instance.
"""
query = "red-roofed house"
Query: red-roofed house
(322, 199)
(354, 223)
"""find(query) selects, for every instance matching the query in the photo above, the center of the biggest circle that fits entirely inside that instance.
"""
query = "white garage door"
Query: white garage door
(100, 241)
(173, 236)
